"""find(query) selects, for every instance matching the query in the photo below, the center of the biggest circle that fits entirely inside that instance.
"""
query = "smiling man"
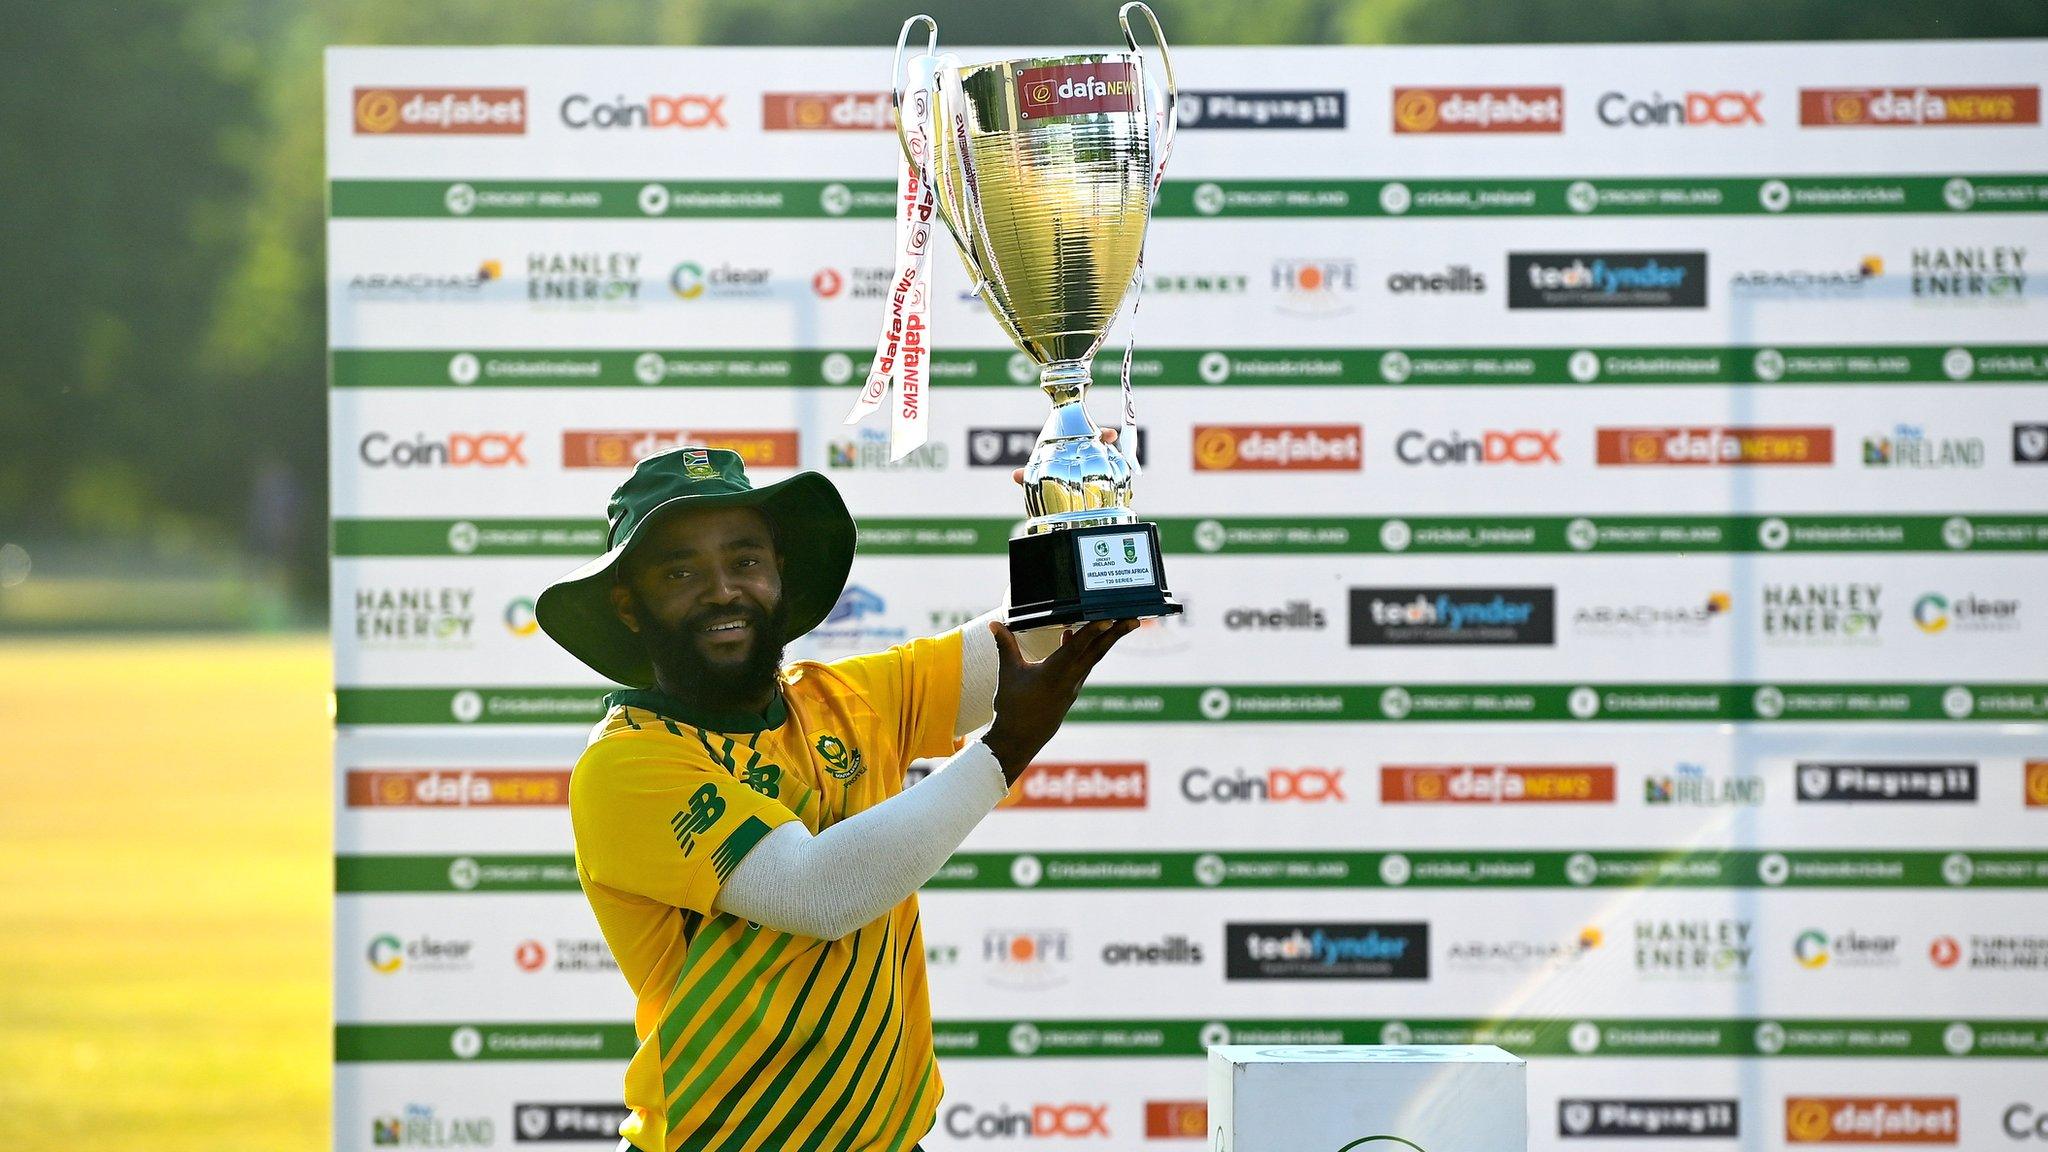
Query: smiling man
(742, 830)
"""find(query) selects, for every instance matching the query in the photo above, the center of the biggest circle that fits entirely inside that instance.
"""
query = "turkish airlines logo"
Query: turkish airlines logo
(456, 788)
(1714, 445)
(1870, 1120)
(1497, 784)
(1918, 107)
(1278, 447)
(440, 111)
(1079, 786)
(827, 112)
(1418, 110)
(690, 111)
(623, 448)
(1692, 110)
(1273, 786)
(1037, 1121)
(1075, 89)
(457, 450)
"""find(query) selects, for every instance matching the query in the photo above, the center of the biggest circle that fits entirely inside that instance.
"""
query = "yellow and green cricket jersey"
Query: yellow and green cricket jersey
(753, 1040)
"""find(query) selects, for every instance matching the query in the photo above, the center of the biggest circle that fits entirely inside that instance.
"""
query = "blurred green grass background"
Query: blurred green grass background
(165, 893)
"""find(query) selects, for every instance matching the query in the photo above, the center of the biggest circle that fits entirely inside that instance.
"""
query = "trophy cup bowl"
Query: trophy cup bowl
(1044, 170)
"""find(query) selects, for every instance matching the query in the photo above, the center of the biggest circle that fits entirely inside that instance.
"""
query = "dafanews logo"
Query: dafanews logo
(1581, 1117)
(1687, 110)
(1327, 951)
(1067, 786)
(1464, 615)
(538, 1123)
(1174, 950)
(625, 447)
(1029, 1121)
(1909, 446)
(1694, 949)
(455, 450)
(1176, 1119)
(1497, 784)
(415, 618)
(1816, 949)
(1918, 107)
(1317, 108)
(685, 111)
(421, 1126)
(1997, 273)
(1076, 89)
(1278, 447)
(827, 112)
(1707, 446)
(1607, 280)
(1272, 786)
(1833, 782)
(1871, 1119)
(456, 788)
(440, 111)
(1519, 446)
(1445, 110)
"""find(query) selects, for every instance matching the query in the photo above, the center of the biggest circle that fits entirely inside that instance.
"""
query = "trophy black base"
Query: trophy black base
(1071, 576)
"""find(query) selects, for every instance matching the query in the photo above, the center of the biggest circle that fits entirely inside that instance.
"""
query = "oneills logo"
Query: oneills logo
(1075, 89)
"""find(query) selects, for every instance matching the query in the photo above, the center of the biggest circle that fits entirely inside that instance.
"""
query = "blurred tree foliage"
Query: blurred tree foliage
(162, 367)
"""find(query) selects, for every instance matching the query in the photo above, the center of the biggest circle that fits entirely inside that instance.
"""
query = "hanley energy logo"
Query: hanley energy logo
(1847, 613)
(1701, 948)
(440, 111)
(1464, 110)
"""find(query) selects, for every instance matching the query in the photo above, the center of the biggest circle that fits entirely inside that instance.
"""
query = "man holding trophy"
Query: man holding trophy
(742, 830)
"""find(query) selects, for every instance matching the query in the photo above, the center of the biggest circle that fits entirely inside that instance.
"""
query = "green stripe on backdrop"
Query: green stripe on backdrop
(487, 537)
(1331, 703)
(1205, 367)
(1945, 194)
(1308, 868)
(1751, 1036)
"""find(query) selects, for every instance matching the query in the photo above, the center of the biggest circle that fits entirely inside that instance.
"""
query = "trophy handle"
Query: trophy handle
(897, 81)
(955, 205)
(1164, 146)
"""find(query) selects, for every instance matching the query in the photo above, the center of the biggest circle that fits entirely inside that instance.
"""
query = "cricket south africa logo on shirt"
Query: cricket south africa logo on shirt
(841, 763)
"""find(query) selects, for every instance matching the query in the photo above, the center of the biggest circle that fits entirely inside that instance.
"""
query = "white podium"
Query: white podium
(1367, 1098)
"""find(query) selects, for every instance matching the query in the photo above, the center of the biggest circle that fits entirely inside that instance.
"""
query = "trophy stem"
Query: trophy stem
(1066, 383)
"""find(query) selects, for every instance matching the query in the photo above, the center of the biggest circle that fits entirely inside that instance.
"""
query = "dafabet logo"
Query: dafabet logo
(1278, 447)
(1870, 1120)
(625, 447)
(440, 111)
(1419, 110)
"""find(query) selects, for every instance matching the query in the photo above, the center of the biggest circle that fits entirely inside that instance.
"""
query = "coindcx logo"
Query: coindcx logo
(1030, 1121)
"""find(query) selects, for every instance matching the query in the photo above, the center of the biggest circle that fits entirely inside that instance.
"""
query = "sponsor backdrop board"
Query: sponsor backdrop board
(1610, 491)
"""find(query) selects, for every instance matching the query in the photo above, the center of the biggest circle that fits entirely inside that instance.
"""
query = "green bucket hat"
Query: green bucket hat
(813, 531)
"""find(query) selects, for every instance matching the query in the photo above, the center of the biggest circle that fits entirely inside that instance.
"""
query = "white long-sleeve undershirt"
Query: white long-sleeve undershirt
(829, 885)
